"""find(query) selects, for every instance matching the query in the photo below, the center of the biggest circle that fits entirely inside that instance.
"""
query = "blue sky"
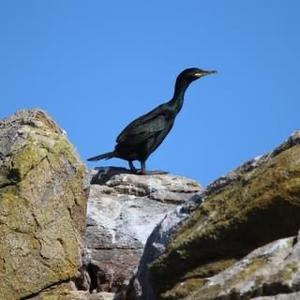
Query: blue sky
(97, 65)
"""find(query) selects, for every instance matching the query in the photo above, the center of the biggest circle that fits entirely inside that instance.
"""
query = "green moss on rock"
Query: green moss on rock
(43, 199)
(258, 206)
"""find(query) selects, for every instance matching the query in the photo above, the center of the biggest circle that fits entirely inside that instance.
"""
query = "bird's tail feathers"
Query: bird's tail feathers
(106, 155)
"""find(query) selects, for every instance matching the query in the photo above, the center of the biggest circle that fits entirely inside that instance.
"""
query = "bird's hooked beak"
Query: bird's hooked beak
(205, 73)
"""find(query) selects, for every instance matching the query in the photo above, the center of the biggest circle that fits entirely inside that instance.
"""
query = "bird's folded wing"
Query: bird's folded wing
(142, 129)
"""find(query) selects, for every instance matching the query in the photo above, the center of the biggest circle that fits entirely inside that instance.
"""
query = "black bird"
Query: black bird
(142, 136)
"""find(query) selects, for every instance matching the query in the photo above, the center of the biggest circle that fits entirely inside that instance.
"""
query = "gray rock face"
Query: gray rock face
(123, 209)
(269, 270)
(67, 294)
(156, 245)
(289, 296)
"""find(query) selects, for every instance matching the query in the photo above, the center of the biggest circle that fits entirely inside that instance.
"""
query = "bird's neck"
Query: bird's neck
(178, 97)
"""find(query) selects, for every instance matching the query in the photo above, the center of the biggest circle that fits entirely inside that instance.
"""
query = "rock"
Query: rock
(78, 295)
(156, 245)
(269, 270)
(64, 293)
(123, 209)
(252, 206)
(67, 291)
(289, 296)
(43, 195)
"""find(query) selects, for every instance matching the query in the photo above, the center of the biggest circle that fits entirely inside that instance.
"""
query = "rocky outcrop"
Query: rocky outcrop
(212, 255)
(63, 292)
(290, 296)
(156, 245)
(123, 209)
(271, 269)
(238, 239)
(43, 196)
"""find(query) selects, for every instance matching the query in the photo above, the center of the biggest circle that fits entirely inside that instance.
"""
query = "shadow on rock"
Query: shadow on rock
(101, 175)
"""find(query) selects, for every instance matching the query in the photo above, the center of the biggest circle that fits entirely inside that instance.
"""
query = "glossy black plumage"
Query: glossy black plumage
(142, 136)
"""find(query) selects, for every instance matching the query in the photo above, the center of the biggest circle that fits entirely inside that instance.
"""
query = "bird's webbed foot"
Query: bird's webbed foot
(132, 167)
(143, 170)
(154, 172)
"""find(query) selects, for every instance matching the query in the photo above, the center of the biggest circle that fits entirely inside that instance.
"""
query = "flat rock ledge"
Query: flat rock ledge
(123, 208)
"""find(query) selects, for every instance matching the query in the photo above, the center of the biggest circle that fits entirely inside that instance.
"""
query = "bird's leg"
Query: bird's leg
(131, 166)
(143, 168)
(143, 171)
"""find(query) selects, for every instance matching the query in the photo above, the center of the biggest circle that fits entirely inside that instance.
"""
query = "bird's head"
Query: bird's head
(192, 74)
(186, 77)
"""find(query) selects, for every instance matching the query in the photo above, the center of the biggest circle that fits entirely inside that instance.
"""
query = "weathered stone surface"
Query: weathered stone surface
(123, 209)
(87, 296)
(43, 195)
(268, 270)
(64, 292)
(256, 204)
(290, 296)
(156, 245)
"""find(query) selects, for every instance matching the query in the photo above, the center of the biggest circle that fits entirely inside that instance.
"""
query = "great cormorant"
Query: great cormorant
(142, 136)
